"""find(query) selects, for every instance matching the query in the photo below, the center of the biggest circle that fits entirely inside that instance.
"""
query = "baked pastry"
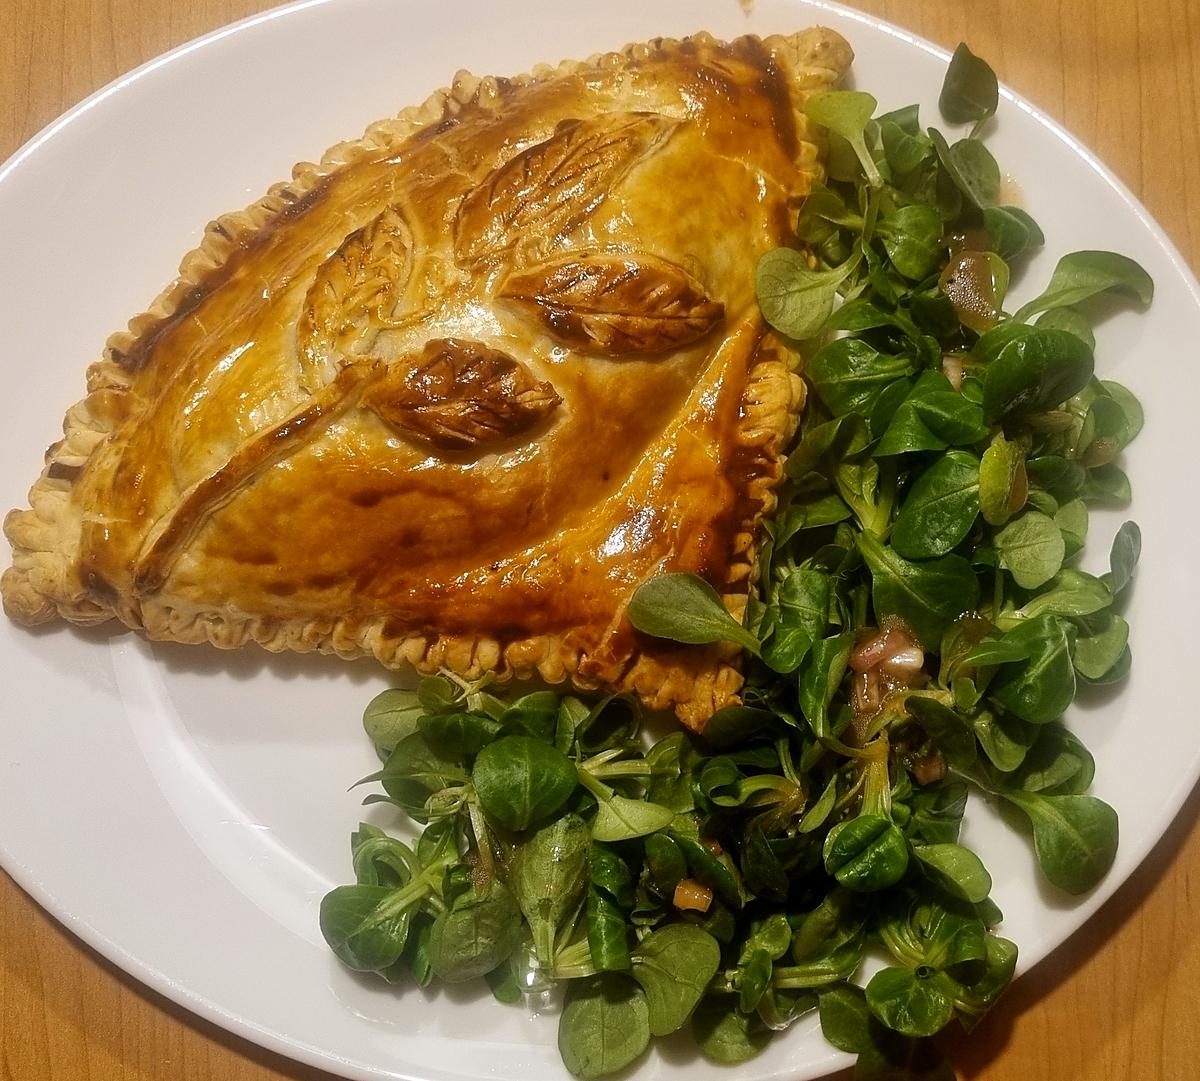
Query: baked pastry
(451, 394)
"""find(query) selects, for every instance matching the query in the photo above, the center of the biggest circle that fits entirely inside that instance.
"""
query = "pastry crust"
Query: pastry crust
(273, 474)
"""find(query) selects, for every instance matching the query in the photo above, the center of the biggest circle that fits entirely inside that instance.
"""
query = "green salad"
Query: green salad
(920, 627)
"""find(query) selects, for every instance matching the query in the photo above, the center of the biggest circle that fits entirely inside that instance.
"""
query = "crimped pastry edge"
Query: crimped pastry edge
(42, 582)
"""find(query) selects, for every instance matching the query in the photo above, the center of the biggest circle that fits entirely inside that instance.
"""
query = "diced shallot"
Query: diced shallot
(692, 896)
(904, 660)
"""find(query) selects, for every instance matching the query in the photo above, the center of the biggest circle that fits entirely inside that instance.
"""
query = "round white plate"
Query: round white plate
(184, 810)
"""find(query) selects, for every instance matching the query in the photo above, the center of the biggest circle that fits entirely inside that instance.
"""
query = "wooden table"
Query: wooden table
(1117, 1003)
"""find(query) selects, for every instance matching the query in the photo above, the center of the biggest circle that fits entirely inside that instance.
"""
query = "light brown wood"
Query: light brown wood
(1119, 1001)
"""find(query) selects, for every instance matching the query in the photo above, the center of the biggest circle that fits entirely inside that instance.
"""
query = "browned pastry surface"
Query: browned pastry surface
(450, 395)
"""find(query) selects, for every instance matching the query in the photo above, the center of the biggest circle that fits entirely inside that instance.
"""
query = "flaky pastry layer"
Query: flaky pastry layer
(77, 556)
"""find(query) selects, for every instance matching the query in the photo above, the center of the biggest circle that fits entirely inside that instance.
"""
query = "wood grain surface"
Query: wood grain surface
(1119, 1002)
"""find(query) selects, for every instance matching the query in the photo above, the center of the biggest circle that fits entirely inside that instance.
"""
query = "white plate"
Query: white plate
(182, 810)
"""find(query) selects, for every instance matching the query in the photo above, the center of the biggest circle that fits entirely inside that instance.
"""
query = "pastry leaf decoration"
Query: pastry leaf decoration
(615, 304)
(353, 296)
(550, 188)
(461, 395)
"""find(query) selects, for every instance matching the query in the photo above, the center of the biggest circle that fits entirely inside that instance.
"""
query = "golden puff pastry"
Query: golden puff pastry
(449, 396)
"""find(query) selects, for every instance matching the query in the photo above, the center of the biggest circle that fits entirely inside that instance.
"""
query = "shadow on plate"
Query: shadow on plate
(251, 661)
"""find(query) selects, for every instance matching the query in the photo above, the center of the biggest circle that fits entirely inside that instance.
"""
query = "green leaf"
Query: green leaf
(1072, 519)
(724, 1034)
(458, 736)
(1100, 647)
(1104, 431)
(437, 693)
(685, 608)
(970, 92)
(866, 853)
(1108, 485)
(1074, 837)
(971, 169)
(907, 118)
(672, 761)
(813, 513)
(1004, 739)
(1126, 550)
(613, 721)
(1040, 690)
(906, 150)
(548, 875)
(957, 870)
(1012, 230)
(1129, 405)
(414, 771)
(928, 596)
(1057, 764)
(912, 237)
(940, 509)
(1055, 474)
(1085, 274)
(572, 714)
(937, 813)
(620, 818)
(437, 846)
(674, 966)
(950, 732)
(821, 678)
(416, 951)
(476, 933)
(521, 780)
(715, 872)
(606, 932)
(823, 215)
(925, 929)
(731, 725)
(847, 112)
(795, 299)
(1070, 320)
(391, 716)
(503, 983)
(380, 860)
(798, 614)
(754, 977)
(1118, 672)
(950, 416)
(845, 1018)
(1030, 369)
(1070, 593)
(611, 873)
(772, 935)
(604, 1025)
(913, 1002)
(665, 862)
(534, 714)
(848, 375)
(973, 999)
(833, 441)
(363, 926)
(815, 816)
(1001, 478)
(1031, 548)
(932, 417)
